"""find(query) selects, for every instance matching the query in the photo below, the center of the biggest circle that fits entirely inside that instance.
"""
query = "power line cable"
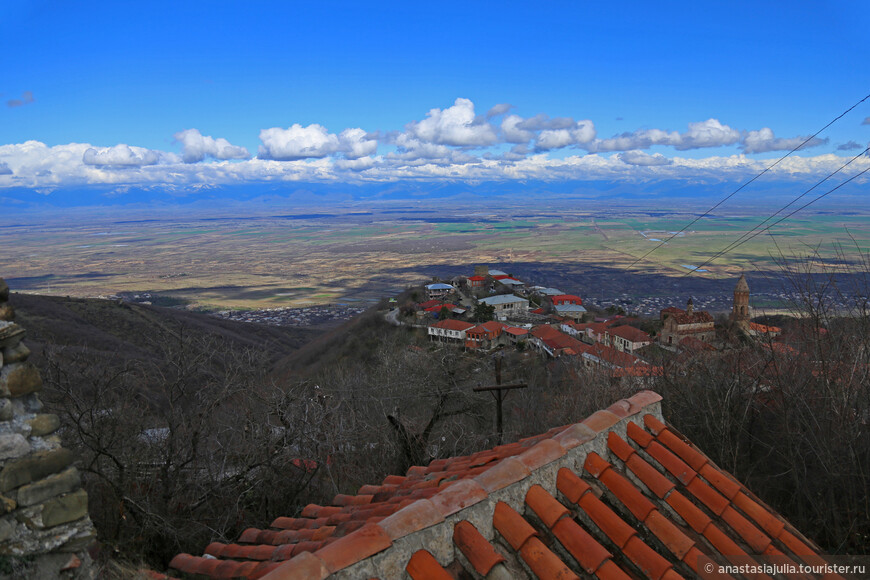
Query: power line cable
(782, 219)
(736, 191)
(738, 241)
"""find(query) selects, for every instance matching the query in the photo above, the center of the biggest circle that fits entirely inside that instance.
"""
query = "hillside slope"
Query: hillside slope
(116, 331)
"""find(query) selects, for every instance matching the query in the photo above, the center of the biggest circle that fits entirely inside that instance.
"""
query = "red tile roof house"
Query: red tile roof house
(449, 330)
(620, 495)
(476, 281)
(567, 299)
(678, 324)
(513, 334)
(555, 343)
(626, 338)
(607, 356)
(484, 334)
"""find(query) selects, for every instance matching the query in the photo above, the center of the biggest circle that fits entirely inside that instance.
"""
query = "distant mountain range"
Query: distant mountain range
(262, 195)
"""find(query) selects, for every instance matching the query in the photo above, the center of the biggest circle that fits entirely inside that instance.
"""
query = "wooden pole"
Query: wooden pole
(499, 392)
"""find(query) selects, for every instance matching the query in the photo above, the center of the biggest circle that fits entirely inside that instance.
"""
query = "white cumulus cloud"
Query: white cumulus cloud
(195, 147)
(456, 125)
(764, 140)
(512, 132)
(314, 142)
(120, 156)
(356, 143)
(297, 142)
(580, 133)
(637, 157)
(709, 133)
(4, 169)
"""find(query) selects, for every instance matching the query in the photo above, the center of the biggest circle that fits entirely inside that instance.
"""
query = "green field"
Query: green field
(273, 261)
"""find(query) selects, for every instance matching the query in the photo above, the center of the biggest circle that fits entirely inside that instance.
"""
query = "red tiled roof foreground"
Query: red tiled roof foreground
(619, 495)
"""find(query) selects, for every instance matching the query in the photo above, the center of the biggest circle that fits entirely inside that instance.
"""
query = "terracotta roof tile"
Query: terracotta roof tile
(761, 516)
(301, 567)
(721, 481)
(638, 435)
(663, 531)
(800, 549)
(601, 421)
(571, 486)
(574, 435)
(343, 500)
(543, 562)
(650, 476)
(653, 424)
(424, 566)
(711, 498)
(541, 454)
(606, 519)
(289, 523)
(580, 544)
(476, 549)
(546, 507)
(650, 562)
(753, 537)
(509, 471)
(367, 540)
(622, 488)
(458, 496)
(416, 516)
(511, 525)
(693, 457)
(669, 534)
(610, 571)
(621, 408)
(619, 446)
(691, 514)
(673, 464)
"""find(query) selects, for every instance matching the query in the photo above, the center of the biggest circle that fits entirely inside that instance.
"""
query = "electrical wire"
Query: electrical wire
(739, 241)
(782, 219)
(736, 191)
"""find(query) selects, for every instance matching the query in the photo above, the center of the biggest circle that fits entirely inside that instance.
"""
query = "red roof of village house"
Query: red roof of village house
(639, 371)
(696, 317)
(429, 304)
(500, 277)
(477, 278)
(515, 331)
(619, 495)
(614, 357)
(451, 324)
(764, 328)
(558, 340)
(567, 298)
(491, 326)
(438, 307)
(630, 333)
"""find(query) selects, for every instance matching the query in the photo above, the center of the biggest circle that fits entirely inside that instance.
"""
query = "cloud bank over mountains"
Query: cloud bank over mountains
(453, 143)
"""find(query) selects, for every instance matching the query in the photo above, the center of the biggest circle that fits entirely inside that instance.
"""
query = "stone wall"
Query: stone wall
(44, 519)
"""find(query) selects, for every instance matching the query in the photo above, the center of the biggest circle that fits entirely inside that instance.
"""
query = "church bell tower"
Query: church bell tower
(740, 312)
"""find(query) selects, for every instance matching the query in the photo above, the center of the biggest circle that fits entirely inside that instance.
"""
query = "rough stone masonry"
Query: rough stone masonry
(43, 508)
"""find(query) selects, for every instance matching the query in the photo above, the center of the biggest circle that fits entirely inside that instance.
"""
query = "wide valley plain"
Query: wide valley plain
(304, 256)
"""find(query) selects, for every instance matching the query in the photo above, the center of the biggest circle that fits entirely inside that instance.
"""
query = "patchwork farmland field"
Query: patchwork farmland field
(359, 256)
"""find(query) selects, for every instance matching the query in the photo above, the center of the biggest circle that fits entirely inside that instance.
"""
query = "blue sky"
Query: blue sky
(181, 93)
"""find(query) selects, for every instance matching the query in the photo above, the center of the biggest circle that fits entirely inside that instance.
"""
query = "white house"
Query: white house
(506, 305)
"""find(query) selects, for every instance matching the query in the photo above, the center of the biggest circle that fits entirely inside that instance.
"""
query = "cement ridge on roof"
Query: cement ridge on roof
(393, 540)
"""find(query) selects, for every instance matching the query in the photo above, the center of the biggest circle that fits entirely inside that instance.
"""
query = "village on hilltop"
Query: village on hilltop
(492, 309)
